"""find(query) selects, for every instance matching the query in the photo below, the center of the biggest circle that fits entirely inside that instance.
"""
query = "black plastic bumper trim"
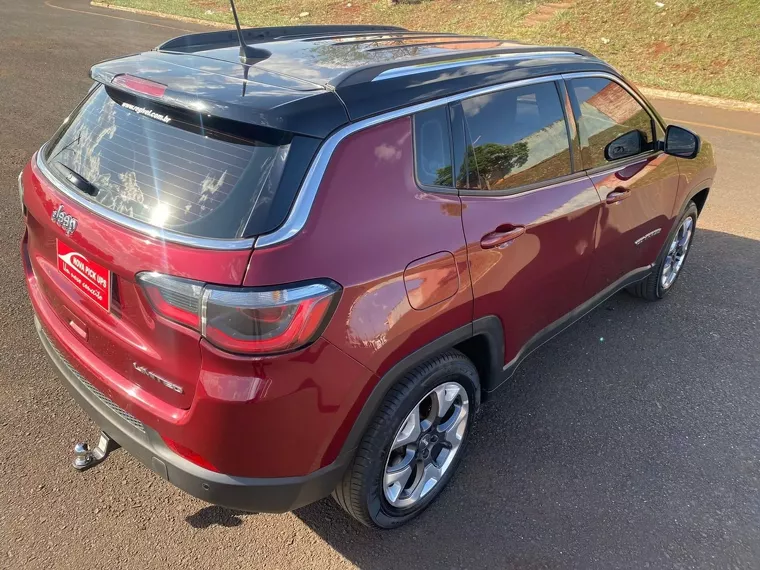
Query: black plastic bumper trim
(276, 495)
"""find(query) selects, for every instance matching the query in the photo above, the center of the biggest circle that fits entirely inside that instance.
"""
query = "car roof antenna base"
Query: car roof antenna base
(248, 54)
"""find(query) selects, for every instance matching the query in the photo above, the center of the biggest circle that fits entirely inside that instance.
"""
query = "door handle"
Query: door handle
(617, 195)
(501, 235)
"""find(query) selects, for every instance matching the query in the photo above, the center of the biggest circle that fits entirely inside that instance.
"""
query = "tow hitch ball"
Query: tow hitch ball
(84, 457)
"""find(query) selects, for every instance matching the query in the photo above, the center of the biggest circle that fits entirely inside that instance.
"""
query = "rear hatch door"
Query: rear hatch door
(132, 184)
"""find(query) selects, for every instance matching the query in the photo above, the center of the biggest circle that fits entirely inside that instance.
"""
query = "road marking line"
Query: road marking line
(49, 5)
(730, 130)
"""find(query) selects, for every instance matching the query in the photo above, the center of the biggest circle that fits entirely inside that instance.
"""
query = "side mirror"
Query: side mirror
(626, 145)
(681, 142)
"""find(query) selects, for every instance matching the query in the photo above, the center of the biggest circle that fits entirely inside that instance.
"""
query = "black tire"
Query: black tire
(360, 493)
(651, 288)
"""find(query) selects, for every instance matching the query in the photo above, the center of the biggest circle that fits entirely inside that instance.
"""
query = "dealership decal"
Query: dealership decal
(91, 278)
(147, 112)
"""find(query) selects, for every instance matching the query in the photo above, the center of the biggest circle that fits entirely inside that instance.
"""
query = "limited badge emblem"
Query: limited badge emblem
(157, 378)
(67, 222)
(650, 235)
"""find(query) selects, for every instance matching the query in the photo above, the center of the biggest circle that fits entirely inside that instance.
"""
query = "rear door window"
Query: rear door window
(517, 137)
(606, 111)
(160, 170)
(432, 148)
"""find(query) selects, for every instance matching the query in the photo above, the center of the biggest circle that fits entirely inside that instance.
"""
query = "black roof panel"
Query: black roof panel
(327, 59)
(313, 79)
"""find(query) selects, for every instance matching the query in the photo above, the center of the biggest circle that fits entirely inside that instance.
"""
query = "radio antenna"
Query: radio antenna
(248, 54)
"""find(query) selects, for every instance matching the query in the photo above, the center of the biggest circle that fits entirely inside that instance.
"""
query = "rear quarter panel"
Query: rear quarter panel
(369, 221)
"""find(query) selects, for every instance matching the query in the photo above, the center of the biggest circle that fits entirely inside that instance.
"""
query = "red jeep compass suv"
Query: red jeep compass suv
(297, 269)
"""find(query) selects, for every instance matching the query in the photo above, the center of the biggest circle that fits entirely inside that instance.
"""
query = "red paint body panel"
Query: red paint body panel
(653, 186)
(695, 175)
(368, 222)
(538, 277)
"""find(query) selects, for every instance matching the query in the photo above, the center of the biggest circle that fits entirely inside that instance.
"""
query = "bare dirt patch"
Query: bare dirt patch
(546, 12)
(659, 48)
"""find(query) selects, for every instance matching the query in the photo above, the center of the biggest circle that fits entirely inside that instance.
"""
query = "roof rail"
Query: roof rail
(414, 66)
(221, 38)
(441, 42)
(390, 36)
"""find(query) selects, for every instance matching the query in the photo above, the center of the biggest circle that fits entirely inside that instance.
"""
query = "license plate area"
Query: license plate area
(90, 278)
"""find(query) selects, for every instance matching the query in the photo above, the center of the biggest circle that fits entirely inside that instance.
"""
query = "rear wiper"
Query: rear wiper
(76, 179)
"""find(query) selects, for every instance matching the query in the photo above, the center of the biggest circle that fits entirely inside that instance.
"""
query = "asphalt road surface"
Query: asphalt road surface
(630, 441)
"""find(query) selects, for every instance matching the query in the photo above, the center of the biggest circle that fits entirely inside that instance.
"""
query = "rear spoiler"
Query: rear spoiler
(174, 83)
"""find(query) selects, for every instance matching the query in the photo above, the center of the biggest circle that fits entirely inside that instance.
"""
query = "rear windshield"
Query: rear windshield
(162, 169)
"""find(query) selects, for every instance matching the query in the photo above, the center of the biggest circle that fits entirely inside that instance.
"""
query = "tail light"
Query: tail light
(249, 320)
(140, 85)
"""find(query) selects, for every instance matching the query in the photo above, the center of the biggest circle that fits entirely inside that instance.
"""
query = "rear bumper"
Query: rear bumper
(279, 494)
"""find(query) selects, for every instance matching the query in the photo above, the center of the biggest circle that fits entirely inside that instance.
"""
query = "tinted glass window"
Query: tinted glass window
(433, 147)
(607, 111)
(156, 169)
(518, 137)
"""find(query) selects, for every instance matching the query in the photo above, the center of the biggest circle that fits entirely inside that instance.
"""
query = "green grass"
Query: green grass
(706, 47)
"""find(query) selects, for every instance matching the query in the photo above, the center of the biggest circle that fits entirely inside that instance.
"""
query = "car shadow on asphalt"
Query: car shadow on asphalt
(618, 444)
(215, 516)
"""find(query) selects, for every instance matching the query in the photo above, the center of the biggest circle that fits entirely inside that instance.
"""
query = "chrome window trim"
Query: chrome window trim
(137, 226)
(611, 168)
(299, 212)
(525, 188)
(424, 68)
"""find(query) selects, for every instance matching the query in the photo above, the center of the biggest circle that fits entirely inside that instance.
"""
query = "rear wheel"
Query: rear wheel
(671, 259)
(414, 444)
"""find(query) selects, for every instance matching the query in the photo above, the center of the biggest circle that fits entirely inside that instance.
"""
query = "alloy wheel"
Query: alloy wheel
(677, 253)
(425, 445)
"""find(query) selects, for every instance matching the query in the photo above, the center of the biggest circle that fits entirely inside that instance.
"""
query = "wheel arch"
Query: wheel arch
(482, 341)
(700, 198)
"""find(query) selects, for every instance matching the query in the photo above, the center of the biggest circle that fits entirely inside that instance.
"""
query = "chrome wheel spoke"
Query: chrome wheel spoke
(454, 428)
(443, 398)
(410, 431)
(430, 477)
(397, 477)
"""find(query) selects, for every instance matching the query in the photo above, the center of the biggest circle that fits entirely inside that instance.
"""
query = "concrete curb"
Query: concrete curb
(704, 100)
(185, 19)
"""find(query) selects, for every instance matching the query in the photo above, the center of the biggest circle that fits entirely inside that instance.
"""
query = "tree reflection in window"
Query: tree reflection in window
(517, 137)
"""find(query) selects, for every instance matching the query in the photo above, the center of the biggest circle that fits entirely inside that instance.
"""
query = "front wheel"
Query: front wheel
(414, 444)
(671, 259)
